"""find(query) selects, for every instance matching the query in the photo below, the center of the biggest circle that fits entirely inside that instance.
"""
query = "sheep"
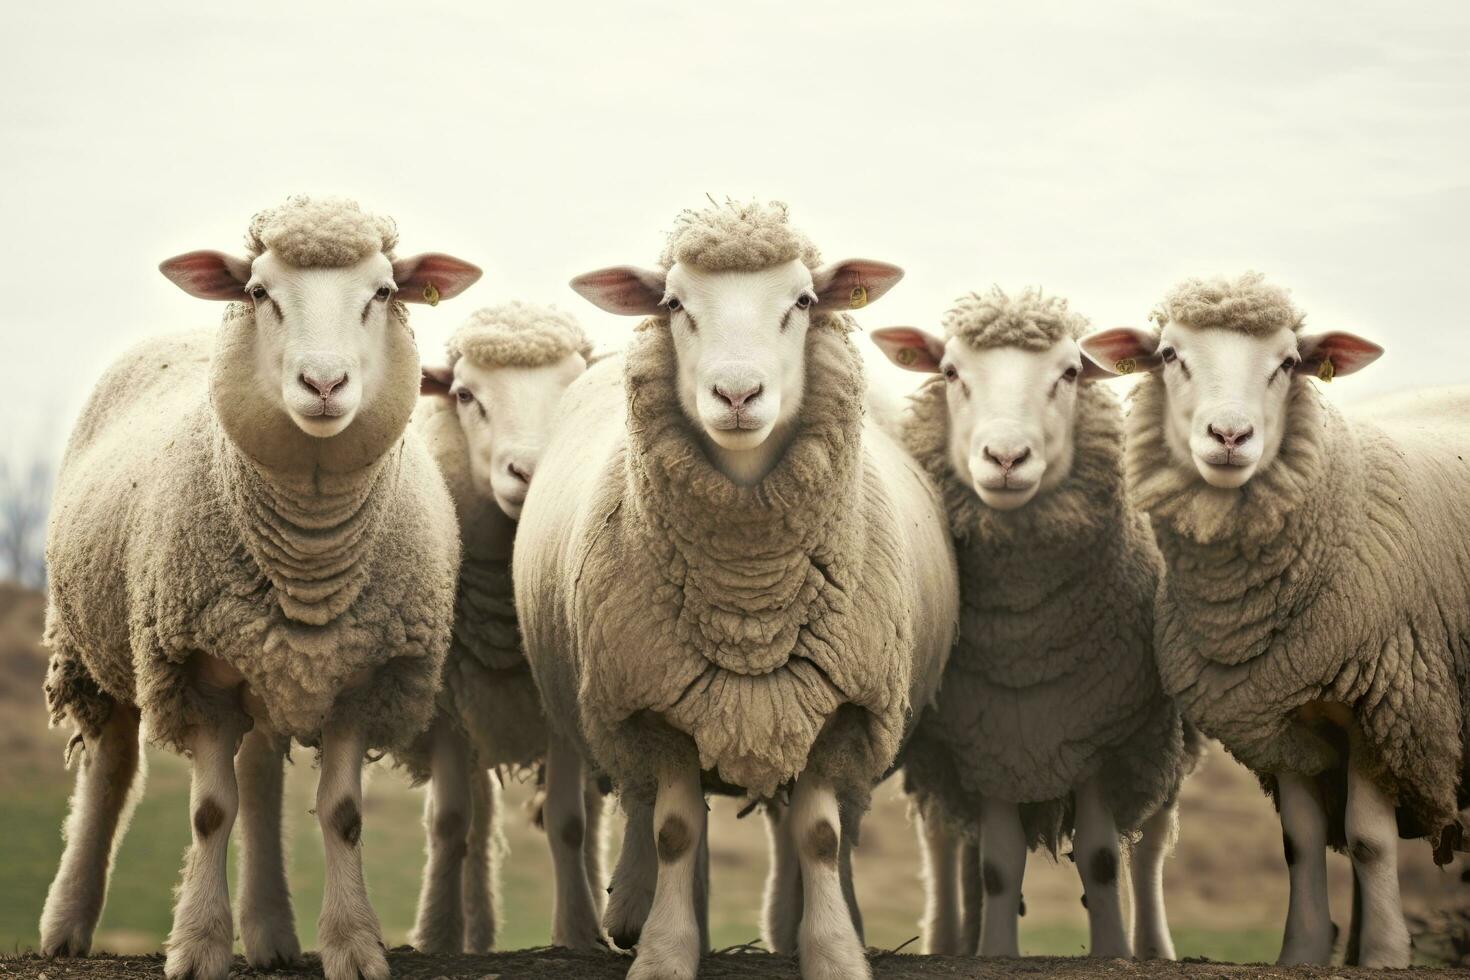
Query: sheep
(246, 547)
(1315, 612)
(723, 574)
(484, 417)
(1051, 723)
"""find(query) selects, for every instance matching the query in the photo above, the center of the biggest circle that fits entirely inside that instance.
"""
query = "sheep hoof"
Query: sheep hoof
(65, 939)
(627, 911)
(360, 956)
(670, 956)
(833, 959)
(270, 945)
(198, 960)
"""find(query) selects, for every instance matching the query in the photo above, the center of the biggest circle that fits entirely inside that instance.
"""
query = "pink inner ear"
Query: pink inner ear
(205, 275)
(857, 282)
(448, 275)
(435, 380)
(1348, 353)
(1109, 348)
(910, 349)
(620, 289)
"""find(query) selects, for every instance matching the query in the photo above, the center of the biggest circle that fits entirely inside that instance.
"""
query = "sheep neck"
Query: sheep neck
(307, 508)
(1242, 564)
(753, 565)
(1013, 560)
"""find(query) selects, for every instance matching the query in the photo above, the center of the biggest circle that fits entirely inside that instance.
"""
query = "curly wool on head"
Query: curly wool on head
(517, 334)
(735, 236)
(1029, 320)
(1246, 303)
(322, 232)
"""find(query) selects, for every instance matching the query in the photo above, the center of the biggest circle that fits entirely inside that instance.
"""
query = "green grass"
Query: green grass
(138, 910)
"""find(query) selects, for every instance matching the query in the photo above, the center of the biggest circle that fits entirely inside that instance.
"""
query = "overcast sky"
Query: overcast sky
(1102, 150)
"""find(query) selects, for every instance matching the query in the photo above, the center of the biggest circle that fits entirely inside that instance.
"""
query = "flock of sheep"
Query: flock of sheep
(714, 562)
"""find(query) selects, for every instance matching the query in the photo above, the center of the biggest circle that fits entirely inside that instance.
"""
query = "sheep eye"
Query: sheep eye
(383, 293)
(1288, 365)
(950, 374)
(804, 301)
(464, 396)
(258, 293)
(1070, 374)
(1168, 355)
(673, 304)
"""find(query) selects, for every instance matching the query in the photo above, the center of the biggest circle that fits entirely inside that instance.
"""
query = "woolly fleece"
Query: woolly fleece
(191, 518)
(1337, 574)
(488, 690)
(327, 232)
(670, 615)
(1028, 320)
(1053, 679)
(1246, 303)
(741, 237)
(517, 334)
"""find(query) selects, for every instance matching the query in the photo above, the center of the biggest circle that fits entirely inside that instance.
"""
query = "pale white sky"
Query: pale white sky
(1102, 150)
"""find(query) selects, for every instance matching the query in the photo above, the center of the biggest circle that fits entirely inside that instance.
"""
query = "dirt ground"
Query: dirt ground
(561, 964)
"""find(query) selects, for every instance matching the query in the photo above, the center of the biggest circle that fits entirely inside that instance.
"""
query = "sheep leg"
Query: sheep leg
(481, 862)
(1372, 835)
(1308, 937)
(670, 946)
(1096, 848)
(440, 922)
(634, 878)
(1003, 866)
(594, 844)
(972, 897)
(941, 848)
(574, 915)
(850, 826)
(350, 938)
(101, 806)
(1151, 939)
(782, 913)
(827, 940)
(267, 923)
(200, 946)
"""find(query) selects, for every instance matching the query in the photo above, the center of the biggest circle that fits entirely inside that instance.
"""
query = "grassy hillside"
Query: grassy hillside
(1226, 883)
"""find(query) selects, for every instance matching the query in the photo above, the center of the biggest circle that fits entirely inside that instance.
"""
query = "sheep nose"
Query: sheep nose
(737, 399)
(323, 386)
(1007, 458)
(521, 471)
(1231, 436)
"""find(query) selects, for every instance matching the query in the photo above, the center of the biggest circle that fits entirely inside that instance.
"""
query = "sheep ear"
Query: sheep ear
(1120, 350)
(435, 379)
(910, 348)
(623, 289)
(432, 276)
(853, 283)
(1332, 355)
(208, 275)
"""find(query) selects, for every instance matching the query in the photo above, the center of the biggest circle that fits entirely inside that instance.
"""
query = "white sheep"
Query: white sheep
(246, 545)
(1050, 723)
(722, 569)
(1315, 613)
(485, 417)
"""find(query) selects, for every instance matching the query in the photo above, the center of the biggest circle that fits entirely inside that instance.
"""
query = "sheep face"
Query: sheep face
(506, 414)
(323, 336)
(1011, 410)
(739, 341)
(1227, 390)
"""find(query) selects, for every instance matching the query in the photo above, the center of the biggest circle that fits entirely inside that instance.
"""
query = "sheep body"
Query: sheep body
(1337, 575)
(188, 519)
(660, 588)
(1053, 679)
(487, 685)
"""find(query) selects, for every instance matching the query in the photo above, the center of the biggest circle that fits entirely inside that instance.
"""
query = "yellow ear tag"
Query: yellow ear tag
(1125, 365)
(431, 294)
(907, 356)
(859, 297)
(1326, 371)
